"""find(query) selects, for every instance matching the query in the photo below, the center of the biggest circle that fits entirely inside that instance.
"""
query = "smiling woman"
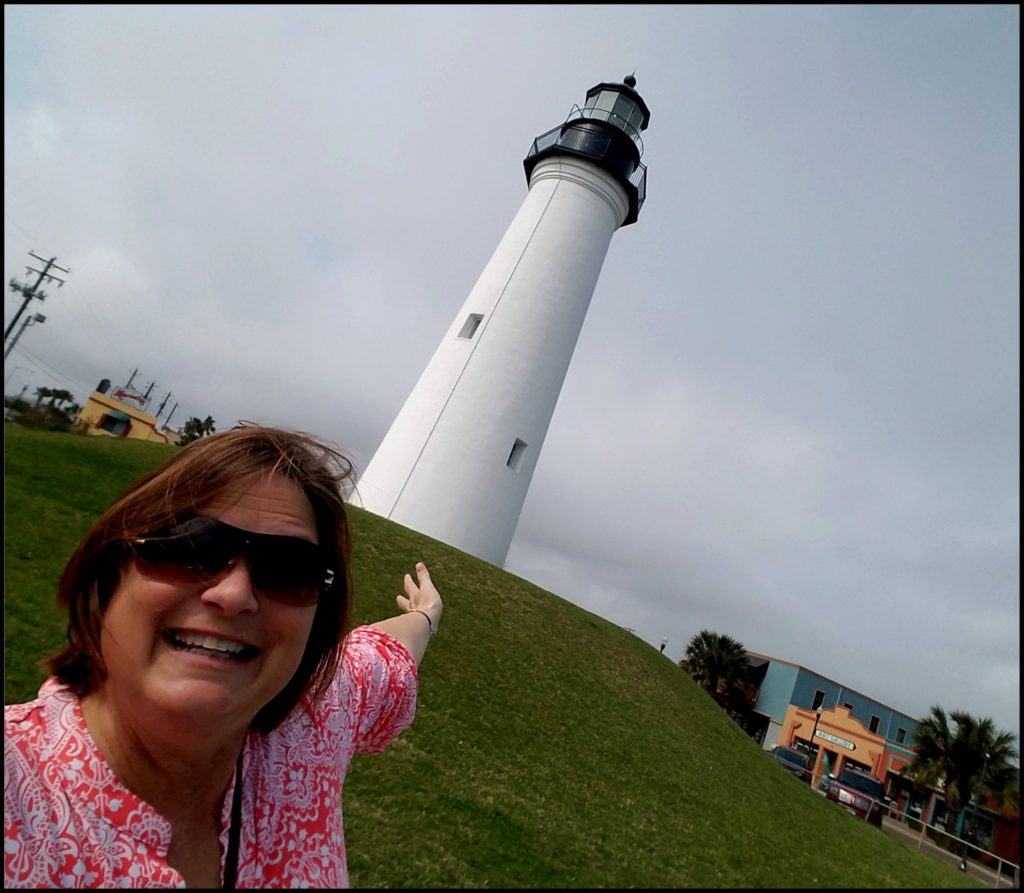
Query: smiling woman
(209, 664)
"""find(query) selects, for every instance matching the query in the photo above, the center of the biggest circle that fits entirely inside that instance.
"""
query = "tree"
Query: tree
(954, 750)
(59, 396)
(718, 664)
(194, 429)
(53, 415)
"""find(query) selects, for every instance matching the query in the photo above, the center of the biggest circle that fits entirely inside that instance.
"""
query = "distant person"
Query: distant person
(664, 642)
(199, 724)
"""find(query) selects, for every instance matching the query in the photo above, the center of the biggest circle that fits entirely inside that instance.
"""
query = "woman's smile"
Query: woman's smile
(210, 645)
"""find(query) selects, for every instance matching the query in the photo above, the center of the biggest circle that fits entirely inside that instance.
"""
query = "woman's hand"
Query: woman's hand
(420, 604)
(421, 595)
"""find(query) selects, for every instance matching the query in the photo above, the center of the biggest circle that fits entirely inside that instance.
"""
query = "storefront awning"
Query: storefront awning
(118, 416)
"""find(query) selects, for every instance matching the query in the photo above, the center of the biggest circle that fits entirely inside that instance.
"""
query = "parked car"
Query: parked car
(796, 761)
(859, 793)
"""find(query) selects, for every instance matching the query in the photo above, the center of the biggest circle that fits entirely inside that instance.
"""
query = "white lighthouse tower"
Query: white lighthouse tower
(458, 459)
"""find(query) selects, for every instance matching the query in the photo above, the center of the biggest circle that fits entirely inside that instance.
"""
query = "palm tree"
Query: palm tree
(958, 755)
(196, 428)
(718, 664)
(59, 396)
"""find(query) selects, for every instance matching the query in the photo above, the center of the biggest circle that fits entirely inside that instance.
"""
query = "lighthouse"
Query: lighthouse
(457, 461)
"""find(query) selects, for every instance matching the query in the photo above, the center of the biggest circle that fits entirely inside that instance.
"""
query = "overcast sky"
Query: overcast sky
(793, 412)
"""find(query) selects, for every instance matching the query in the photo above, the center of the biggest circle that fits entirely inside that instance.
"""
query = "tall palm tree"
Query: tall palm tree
(956, 750)
(718, 664)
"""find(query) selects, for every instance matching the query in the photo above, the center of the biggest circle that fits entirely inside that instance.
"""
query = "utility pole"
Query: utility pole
(150, 388)
(33, 291)
(167, 421)
(130, 380)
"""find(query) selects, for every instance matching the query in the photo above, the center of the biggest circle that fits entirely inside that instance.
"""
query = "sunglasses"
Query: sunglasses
(285, 569)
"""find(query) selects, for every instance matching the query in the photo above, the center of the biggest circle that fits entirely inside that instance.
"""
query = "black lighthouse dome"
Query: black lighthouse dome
(605, 131)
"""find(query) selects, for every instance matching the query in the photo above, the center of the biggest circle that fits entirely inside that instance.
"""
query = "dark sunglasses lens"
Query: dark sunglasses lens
(286, 569)
(194, 549)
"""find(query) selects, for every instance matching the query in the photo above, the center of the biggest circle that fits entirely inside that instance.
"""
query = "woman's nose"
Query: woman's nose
(232, 589)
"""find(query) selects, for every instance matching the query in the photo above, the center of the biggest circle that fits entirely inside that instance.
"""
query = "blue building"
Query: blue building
(781, 685)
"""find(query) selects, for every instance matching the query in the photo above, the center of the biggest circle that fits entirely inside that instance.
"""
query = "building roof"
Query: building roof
(767, 657)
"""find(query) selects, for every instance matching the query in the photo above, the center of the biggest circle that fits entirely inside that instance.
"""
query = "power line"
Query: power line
(48, 370)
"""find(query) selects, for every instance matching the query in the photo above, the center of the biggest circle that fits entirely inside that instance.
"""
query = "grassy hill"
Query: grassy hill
(551, 748)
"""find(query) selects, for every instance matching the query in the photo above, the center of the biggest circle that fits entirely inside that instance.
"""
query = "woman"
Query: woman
(199, 724)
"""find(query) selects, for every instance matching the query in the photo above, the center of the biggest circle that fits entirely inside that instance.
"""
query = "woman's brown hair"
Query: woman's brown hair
(180, 488)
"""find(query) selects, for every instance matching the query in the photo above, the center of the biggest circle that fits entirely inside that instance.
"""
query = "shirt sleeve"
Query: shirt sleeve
(383, 681)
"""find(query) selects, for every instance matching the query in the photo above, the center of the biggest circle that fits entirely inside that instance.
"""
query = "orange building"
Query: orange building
(840, 741)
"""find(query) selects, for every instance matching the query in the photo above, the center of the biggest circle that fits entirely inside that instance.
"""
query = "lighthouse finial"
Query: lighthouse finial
(629, 80)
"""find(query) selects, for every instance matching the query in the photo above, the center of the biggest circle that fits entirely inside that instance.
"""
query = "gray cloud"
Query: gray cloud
(793, 412)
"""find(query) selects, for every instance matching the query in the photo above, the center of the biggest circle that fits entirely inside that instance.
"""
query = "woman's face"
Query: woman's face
(214, 650)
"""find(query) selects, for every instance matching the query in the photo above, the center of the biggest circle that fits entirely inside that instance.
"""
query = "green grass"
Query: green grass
(551, 748)
(55, 486)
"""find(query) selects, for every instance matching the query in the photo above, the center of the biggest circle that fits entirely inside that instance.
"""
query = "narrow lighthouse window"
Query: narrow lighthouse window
(469, 327)
(515, 458)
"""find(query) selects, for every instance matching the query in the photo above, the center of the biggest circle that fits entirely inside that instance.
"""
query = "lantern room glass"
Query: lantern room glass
(616, 108)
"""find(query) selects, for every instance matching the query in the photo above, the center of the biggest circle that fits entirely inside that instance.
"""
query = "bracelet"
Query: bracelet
(430, 622)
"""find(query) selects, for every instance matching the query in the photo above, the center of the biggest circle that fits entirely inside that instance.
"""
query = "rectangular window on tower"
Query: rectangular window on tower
(515, 458)
(471, 324)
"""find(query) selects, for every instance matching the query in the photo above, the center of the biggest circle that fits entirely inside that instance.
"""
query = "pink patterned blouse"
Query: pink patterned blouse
(68, 821)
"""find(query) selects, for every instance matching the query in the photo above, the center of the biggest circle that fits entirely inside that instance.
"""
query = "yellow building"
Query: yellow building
(115, 414)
